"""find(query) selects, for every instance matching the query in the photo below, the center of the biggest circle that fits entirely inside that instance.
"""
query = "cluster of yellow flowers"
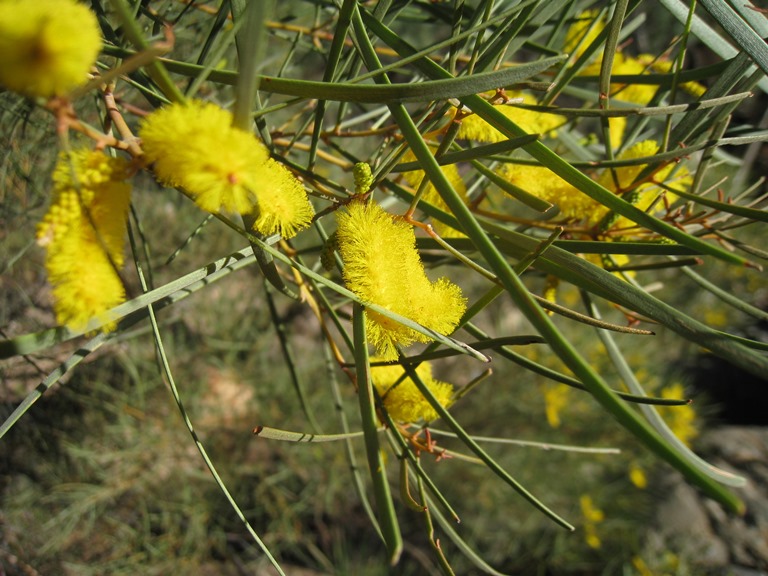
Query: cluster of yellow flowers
(84, 234)
(402, 399)
(475, 128)
(574, 205)
(583, 33)
(47, 47)
(383, 267)
(195, 147)
(592, 517)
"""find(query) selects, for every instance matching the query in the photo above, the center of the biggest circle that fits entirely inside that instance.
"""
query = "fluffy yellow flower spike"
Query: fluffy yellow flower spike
(383, 267)
(84, 234)
(400, 396)
(194, 146)
(46, 46)
(542, 182)
(475, 128)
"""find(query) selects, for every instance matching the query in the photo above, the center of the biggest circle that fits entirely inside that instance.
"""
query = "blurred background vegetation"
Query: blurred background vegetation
(101, 475)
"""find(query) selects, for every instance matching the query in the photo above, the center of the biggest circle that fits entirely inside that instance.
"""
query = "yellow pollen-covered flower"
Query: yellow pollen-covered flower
(583, 32)
(383, 267)
(402, 399)
(195, 147)
(473, 127)
(47, 47)
(542, 182)
(84, 235)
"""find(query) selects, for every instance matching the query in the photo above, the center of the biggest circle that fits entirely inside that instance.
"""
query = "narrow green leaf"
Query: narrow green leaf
(704, 468)
(704, 32)
(287, 436)
(514, 286)
(739, 31)
(426, 91)
(750, 213)
(57, 374)
(467, 439)
(390, 528)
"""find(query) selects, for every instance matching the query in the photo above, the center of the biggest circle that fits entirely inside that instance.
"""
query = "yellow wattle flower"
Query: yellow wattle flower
(47, 47)
(195, 147)
(592, 517)
(542, 182)
(383, 267)
(680, 419)
(402, 399)
(583, 32)
(665, 66)
(84, 235)
(637, 475)
(475, 128)
(555, 399)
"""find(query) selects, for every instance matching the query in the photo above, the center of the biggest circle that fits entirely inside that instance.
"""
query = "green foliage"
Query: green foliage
(563, 166)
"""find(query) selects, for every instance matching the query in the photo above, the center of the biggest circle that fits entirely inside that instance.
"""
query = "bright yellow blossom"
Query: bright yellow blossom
(383, 267)
(665, 66)
(475, 128)
(84, 234)
(582, 33)
(637, 475)
(402, 399)
(680, 419)
(592, 517)
(555, 399)
(47, 47)
(194, 146)
(542, 182)
(575, 205)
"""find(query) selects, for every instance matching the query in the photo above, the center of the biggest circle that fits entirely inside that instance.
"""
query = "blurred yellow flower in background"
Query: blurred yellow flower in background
(592, 517)
(578, 38)
(47, 47)
(680, 419)
(473, 127)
